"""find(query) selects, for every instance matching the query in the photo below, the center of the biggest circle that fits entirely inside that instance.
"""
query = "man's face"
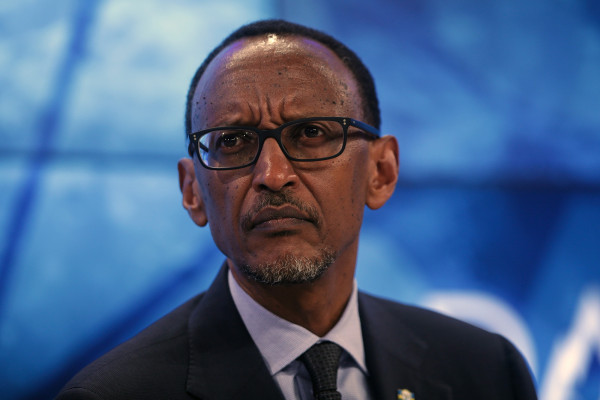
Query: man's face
(277, 212)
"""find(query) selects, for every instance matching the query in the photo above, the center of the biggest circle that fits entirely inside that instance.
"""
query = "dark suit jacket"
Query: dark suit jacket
(202, 350)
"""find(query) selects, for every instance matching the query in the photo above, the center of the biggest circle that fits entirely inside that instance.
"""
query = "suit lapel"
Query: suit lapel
(224, 361)
(394, 355)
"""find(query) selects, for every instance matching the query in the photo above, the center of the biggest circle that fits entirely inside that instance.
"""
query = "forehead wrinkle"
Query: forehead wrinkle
(269, 106)
(254, 112)
(275, 112)
(282, 108)
(234, 114)
(268, 111)
(291, 109)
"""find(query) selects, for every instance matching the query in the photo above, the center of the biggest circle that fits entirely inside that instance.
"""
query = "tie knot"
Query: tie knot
(322, 361)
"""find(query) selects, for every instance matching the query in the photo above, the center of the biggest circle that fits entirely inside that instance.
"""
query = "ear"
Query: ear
(190, 190)
(383, 172)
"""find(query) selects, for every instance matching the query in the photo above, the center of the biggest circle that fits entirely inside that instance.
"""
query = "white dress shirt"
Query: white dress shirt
(281, 342)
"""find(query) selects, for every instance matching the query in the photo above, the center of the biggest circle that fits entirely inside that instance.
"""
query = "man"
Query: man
(285, 153)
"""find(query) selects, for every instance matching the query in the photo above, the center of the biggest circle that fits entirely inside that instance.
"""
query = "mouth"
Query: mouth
(278, 218)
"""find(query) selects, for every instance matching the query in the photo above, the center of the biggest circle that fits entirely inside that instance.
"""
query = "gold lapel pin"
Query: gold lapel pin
(404, 394)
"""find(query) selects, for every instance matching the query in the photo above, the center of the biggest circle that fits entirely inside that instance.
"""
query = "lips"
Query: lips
(270, 217)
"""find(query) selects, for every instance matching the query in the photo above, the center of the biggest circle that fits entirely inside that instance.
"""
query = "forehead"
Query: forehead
(277, 69)
(274, 45)
(271, 49)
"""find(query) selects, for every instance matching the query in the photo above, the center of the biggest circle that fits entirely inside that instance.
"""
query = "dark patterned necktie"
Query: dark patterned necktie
(322, 362)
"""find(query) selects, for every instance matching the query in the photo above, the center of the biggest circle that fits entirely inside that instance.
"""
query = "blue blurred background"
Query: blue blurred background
(496, 220)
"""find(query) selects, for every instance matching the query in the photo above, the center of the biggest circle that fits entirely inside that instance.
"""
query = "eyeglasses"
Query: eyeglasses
(306, 139)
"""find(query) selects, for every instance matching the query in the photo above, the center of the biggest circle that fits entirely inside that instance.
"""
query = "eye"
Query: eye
(304, 132)
(233, 140)
(228, 140)
(311, 131)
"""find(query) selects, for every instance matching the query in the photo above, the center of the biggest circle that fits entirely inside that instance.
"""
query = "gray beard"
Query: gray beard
(289, 269)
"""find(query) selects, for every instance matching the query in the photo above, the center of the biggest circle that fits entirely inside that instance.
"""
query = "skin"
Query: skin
(264, 82)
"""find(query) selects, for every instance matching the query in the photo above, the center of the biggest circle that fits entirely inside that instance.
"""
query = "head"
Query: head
(278, 220)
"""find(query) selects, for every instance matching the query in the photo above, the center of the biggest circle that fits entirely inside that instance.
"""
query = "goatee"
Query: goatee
(290, 269)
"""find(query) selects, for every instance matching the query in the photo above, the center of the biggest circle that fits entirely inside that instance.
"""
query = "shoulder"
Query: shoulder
(430, 326)
(133, 365)
(449, 350)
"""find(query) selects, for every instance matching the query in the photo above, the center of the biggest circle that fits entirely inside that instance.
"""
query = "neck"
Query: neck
(316, 306)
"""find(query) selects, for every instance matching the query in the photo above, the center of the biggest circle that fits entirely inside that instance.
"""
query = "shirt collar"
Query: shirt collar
(280, 342)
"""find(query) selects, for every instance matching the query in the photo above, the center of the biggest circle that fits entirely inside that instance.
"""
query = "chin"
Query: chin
(289, 268)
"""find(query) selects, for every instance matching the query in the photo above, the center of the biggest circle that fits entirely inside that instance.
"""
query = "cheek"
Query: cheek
(346, 196)
(223, 204)
(220, 201)
(222, 193)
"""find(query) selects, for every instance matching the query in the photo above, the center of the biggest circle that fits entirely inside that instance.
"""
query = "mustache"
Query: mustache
(278, 199)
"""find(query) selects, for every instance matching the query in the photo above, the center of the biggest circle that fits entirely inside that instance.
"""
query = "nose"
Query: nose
(273, 171)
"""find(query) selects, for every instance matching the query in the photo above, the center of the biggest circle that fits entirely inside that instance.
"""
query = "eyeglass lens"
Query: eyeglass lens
(301, 141)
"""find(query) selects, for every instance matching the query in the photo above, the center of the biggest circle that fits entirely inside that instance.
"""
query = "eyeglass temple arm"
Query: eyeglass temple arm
(191, 147)
(365, 127)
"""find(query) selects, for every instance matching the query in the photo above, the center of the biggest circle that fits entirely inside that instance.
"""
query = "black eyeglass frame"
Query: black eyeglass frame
(264, 134)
